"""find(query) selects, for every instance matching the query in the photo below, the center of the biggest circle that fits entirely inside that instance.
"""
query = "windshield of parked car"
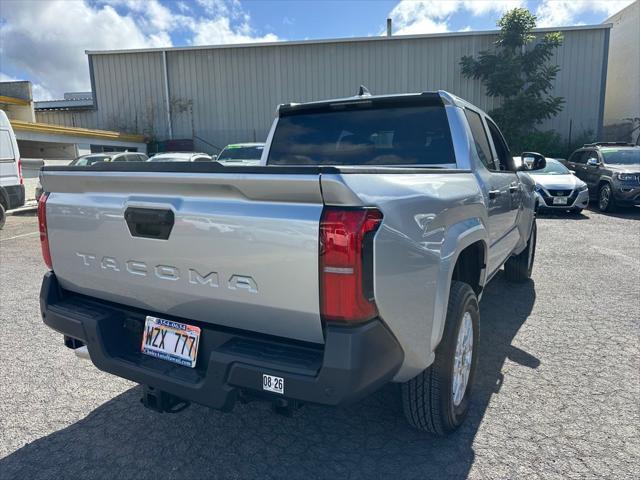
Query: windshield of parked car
(90, 160)
(621, 156)
(363, 135)
(233, 152)
(553, 167)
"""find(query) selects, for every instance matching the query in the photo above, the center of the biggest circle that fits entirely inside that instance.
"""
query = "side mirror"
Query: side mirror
(573, 172)
(214, 158)
(532, 161)
(593, 162)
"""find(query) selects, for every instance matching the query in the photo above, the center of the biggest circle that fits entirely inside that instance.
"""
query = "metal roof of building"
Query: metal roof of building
(381, 38)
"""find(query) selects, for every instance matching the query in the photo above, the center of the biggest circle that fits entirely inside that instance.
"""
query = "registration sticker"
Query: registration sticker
(172, 341)
(273, 384)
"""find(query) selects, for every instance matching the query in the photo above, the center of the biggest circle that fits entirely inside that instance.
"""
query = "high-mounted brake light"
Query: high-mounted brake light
(42, 224)
(346, 259)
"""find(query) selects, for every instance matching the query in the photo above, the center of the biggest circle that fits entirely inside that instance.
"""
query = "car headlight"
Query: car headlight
(582, 188)
(626, 177)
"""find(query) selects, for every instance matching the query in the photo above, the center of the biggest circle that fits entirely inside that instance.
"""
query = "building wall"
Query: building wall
(622, 100)
(228, 94)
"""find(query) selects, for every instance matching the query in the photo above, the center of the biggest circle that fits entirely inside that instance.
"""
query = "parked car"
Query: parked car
(241, 154)
(181, 157)
(612, 172)
(360, 263)
(93, 158)
(11, 181)
(557, 188)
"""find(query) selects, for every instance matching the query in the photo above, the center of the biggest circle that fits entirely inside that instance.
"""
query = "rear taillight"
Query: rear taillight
(42, 224)
(20, 172)
(346, 263)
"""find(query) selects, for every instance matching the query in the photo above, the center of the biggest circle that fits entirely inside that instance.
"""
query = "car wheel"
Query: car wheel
(606, 202)
(3, 216)
(437, 400)
(519, 267)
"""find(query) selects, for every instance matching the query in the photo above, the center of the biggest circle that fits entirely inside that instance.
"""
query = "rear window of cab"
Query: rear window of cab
(401, 135)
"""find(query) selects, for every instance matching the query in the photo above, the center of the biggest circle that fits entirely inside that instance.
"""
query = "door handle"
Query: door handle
(493, 193)
(514, 187)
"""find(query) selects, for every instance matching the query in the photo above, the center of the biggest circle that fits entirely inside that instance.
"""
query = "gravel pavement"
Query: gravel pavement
(556, 396)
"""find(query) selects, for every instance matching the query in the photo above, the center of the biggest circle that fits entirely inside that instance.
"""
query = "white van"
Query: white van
(11, 181)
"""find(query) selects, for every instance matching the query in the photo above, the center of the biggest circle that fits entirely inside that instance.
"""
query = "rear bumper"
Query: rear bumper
(353, 362)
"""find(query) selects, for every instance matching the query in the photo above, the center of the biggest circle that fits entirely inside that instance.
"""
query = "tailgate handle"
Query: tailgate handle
(149, 222)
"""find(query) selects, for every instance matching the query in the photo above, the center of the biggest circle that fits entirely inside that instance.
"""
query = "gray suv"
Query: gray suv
(612, 172)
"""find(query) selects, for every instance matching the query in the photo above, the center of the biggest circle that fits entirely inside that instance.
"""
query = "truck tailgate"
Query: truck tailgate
(242, 250)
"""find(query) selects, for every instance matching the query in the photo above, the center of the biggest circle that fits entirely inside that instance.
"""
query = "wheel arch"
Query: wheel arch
(464, 242)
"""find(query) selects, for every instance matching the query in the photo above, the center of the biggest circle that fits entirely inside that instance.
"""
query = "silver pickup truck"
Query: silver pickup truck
(353, 256)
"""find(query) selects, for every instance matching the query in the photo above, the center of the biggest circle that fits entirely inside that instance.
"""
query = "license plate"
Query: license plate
(560, 200)
(172, 341)
(273, 384)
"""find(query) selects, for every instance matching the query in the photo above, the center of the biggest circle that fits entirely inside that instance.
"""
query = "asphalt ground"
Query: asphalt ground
(557, 394)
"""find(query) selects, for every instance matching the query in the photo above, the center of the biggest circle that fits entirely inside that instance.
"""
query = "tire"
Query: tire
(519, 267)
(606, 201)
(428, 400)
(3, 216)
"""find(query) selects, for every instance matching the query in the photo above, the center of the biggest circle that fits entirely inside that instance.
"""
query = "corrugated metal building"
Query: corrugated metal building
(228, 93)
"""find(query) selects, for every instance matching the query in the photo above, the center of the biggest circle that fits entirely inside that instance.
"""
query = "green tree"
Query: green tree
(518, 73)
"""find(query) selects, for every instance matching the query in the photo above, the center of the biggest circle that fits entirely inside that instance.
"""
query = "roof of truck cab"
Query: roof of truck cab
(438, 96)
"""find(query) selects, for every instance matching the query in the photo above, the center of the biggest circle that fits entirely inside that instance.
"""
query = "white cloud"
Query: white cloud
(56, 33)
(219, 30)
(558, 13)
(432, 16)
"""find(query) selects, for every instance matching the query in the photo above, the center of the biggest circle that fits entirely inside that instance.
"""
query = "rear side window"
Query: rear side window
(6, 147)
(364, 136)
(480, 138)
(577, 157)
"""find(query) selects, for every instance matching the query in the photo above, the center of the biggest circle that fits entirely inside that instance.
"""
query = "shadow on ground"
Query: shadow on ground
(631, 213)
(121, 439)
(561, 215)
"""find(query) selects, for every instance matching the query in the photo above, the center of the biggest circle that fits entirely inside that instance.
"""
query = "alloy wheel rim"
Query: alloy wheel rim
(462, 359)
(604, 197)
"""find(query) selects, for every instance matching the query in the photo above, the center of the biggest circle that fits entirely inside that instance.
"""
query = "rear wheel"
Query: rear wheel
(519, 267)
(437, 400)
(606, 202)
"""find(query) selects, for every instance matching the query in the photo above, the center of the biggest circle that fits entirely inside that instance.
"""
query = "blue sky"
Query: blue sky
(52, 55)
